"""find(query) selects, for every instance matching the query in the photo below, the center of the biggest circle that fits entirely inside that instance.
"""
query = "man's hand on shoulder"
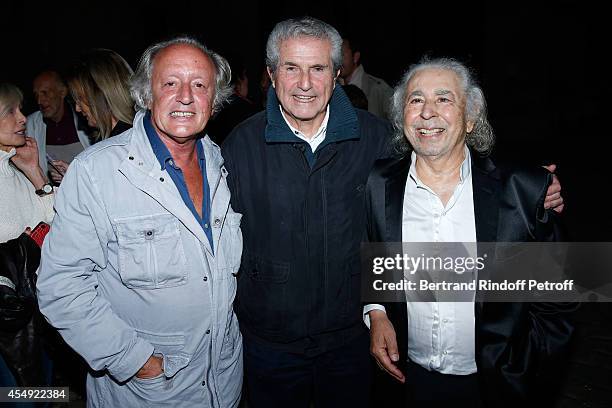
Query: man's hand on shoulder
(383, 344)
(152, 368)
(553, 198)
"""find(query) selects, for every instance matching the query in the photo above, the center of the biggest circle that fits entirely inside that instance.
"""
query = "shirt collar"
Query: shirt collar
(342, 125)
(159, 148)
(321, 131)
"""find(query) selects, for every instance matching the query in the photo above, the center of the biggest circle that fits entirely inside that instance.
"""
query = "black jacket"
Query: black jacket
(21, 325)
(518, 345)
(303, 222)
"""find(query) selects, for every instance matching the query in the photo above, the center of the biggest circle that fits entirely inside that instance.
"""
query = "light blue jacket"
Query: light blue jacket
(127, 271)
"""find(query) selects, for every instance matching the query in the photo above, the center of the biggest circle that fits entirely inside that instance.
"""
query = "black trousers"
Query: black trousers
(432, 389)
(334, 379)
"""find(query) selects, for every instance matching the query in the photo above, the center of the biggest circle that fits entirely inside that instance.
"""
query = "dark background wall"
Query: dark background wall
(541, 64)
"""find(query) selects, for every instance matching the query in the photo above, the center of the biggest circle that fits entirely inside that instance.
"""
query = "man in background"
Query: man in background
(376, 90)
(54, 125)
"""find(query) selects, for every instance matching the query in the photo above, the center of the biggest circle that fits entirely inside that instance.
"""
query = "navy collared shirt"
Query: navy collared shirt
(167, 163)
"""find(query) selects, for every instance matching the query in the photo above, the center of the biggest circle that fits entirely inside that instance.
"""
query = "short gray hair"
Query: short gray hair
(140, 83)
(481, 138)
(303, 27)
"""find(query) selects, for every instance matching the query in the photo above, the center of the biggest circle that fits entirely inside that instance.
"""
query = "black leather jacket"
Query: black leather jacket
(21, 324)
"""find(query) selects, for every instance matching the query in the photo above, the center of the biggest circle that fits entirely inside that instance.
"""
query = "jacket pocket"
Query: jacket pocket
(231, 347)
(230, 248)
(263, 295)
(171, 348)
(262, 270)
(151, 253)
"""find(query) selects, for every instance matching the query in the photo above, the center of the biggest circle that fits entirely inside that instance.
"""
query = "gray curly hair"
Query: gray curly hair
(140, 83)
(481, 138)
(302, 27)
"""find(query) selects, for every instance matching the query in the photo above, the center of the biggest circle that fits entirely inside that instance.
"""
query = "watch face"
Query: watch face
(47, 188)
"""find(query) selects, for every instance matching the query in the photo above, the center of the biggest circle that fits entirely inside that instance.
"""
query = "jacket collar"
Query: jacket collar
(486, 185)
(141, 167)
(396, 174)
(342, 124)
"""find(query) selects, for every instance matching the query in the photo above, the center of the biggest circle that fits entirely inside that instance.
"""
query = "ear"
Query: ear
(356, 57)
(469, 126)
(271, 75)
(337, 78)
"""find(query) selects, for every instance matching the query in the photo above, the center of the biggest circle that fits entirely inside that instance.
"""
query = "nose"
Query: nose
(429, 110)
(304, 83)
(21, 119)
(185, 94)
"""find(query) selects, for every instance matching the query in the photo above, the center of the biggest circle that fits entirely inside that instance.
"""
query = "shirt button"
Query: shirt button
(203, 383)
(217, 222)
(445, 351)
(206, 226)
(208, 331)
(205, 278)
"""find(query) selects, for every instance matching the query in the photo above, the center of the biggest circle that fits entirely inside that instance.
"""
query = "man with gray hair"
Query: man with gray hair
(444, 188)
(137, 273)
(297, 172)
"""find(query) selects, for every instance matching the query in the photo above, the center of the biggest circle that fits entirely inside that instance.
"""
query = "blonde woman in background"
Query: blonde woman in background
(100, 89)
(26, 197)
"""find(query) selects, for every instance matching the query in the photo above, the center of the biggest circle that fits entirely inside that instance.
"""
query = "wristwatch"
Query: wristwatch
(45, 189)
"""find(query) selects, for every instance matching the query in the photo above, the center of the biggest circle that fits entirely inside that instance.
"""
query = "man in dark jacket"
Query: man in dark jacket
(460, 354)
(297, 173)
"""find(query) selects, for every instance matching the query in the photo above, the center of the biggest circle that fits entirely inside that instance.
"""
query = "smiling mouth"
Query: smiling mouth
(430, 132)
(179, 114)
(304, 98)
(21, 132)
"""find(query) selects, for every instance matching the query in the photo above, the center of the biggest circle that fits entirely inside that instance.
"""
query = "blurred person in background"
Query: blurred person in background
(55, 125)
(26, 199)
(377, 91)
(238, 107)
(99, 86)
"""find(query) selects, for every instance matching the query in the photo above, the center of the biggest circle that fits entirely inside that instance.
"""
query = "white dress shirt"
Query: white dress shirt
(319, 135)
(441, 335)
